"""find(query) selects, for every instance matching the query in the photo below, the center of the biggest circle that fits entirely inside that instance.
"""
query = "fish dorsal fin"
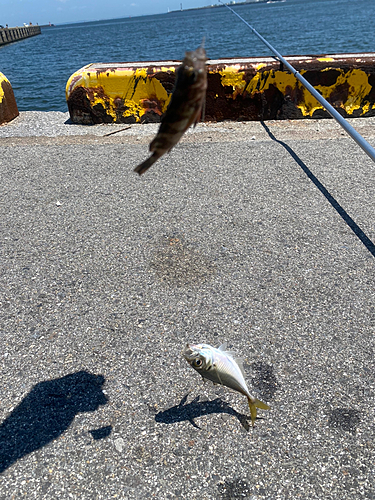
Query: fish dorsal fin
(223, 349)
(232, 354)
(223, 346)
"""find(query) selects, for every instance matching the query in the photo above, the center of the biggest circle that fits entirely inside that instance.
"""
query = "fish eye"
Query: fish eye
(197, 363)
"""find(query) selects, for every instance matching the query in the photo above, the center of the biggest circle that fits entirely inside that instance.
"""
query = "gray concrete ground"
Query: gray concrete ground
(261, 235)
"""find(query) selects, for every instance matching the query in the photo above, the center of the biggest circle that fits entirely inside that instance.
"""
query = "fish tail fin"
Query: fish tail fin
(253, 405)
(141, 169)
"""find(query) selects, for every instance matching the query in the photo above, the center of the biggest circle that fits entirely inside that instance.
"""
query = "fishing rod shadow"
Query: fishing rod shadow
(335, 204)
(188, 412)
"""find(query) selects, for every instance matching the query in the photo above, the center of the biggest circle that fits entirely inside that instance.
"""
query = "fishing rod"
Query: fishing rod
(367, 148)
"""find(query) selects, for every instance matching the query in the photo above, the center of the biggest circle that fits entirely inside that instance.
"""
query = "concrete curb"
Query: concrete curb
(8, 105)
(238, 89)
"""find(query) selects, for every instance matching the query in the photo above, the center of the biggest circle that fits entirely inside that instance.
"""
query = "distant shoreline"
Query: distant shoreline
(248, 2)
(223, 5)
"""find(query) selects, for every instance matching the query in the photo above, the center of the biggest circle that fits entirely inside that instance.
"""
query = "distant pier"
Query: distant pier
(9, 35)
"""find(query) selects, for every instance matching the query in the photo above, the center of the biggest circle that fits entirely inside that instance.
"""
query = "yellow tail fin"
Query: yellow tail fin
(253, 405)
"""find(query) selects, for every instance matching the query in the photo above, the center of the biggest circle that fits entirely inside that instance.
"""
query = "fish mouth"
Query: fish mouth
(189, 353)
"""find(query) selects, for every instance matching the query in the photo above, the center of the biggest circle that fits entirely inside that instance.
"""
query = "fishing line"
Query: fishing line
(367, 148)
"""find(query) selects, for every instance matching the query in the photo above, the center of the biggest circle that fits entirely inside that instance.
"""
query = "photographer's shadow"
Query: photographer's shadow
(46, 412)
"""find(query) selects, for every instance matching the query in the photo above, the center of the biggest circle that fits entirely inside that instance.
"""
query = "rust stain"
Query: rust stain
(339, 95)
(8, 105)
(80, 109)
(167, 79)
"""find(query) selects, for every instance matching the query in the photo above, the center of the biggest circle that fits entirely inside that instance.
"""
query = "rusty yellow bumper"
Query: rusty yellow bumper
(8, 105)
(238, 89)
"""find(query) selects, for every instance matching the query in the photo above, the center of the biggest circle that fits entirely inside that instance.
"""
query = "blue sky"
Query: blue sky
(17, 12)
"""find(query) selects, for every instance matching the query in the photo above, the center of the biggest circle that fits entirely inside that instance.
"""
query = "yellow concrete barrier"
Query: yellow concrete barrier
(8, 105)
(238, 89)
(118, 93)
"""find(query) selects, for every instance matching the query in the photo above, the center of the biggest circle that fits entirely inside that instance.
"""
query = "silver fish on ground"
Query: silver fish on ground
(220, 366)
(185, 107)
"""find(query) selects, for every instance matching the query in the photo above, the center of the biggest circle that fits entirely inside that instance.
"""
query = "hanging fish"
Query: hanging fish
(220, 366)
(185, 107)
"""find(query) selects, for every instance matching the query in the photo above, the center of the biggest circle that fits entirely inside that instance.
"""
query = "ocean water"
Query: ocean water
(39, 67)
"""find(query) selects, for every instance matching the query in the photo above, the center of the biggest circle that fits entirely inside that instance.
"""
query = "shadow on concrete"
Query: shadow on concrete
(238, 488)
(101, 433)
(46, 412)
(265, 380)
(345, 419)
(188, 412)
(349, 221)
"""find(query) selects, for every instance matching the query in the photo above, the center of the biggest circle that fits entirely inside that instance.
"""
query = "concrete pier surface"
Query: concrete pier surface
(261, 234)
